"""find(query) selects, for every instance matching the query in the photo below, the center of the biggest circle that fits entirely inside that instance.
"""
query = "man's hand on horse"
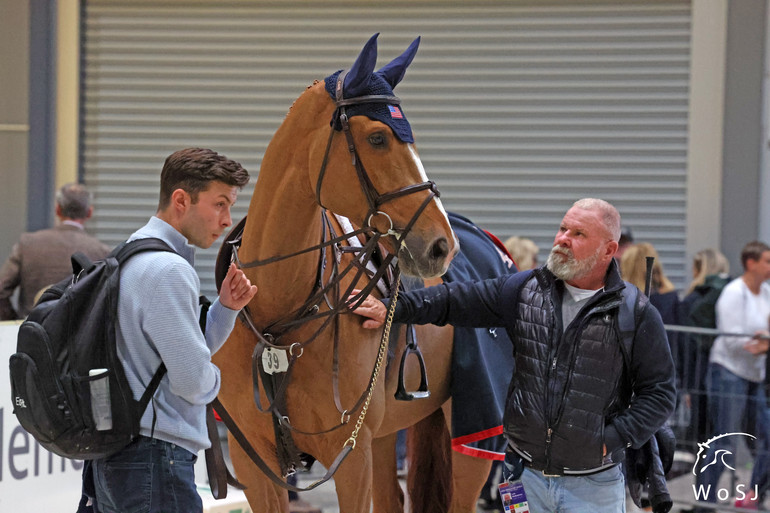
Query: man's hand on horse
(371, 307)
(236, 290)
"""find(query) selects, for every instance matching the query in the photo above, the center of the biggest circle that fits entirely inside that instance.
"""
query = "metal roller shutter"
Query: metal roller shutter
(519, 108)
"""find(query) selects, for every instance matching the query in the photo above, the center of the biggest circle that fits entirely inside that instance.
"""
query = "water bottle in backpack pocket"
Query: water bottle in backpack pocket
(99, 386)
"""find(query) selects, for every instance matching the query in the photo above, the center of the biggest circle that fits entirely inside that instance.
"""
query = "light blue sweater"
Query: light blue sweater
(158, 319)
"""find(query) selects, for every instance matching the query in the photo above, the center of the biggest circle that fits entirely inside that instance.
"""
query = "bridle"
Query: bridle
(373, 198)
(310, 310)
(374, 201)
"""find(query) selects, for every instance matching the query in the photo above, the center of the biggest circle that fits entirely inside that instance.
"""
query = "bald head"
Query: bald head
(609, 215)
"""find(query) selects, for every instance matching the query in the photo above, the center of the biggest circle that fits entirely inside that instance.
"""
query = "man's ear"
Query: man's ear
(180, 200)
(612, 248)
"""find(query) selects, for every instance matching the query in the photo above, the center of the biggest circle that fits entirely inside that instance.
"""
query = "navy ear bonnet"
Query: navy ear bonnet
(362, 80)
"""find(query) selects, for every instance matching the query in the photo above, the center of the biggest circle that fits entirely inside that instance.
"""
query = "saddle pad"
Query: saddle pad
(482, 360)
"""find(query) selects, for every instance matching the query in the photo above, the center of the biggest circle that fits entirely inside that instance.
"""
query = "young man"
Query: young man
(158, 322)
(42, 258)
(736, 398)
(569, 414)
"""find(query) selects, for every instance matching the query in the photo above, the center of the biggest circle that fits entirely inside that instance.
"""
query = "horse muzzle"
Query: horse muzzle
(426, 259)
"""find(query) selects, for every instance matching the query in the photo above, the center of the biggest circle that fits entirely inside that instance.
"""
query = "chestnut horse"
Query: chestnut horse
(309, 169)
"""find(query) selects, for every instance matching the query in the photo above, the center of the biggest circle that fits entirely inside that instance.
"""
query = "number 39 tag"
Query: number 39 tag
(274, 360)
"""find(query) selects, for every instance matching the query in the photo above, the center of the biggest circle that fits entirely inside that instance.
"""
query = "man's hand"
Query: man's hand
(372, 308)
(758, 345)
(236, 290)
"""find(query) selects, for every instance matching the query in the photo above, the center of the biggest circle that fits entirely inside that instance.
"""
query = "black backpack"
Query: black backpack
(68, 386)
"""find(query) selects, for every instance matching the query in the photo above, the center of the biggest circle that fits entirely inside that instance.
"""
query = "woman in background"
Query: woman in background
(664, 297)
(523, 251)
(710, 273)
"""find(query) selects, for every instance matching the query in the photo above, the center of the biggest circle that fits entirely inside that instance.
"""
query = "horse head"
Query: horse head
(386, 187)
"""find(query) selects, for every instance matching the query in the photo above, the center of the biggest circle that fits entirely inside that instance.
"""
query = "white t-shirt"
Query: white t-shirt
(573, 301)
(738, 310)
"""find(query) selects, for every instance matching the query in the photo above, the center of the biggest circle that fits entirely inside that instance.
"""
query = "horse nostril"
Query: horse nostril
(439, 250)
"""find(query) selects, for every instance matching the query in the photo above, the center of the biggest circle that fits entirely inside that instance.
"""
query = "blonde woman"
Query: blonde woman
(633, 268)
(707, 262)
(523, 251)
(710, 274)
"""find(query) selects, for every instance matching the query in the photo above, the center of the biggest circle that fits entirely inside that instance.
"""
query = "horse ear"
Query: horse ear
(358, 76)
(394, 71)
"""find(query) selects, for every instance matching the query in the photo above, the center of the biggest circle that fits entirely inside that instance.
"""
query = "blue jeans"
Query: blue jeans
(603, 492)
(148, 476)
(736, 405)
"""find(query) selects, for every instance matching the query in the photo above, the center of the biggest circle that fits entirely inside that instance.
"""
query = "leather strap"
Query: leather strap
(219, 474)
(263, 466)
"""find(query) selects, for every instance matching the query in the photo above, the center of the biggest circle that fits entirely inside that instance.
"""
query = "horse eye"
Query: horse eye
(377, 139)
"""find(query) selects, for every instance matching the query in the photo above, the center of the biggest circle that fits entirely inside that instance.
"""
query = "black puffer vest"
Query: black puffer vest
(566, 386)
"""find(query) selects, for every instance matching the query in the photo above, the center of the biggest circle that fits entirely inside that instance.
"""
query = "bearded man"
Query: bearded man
(578, 397)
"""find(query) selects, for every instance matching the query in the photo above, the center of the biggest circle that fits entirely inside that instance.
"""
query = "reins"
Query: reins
(310, 310)
(349, 444)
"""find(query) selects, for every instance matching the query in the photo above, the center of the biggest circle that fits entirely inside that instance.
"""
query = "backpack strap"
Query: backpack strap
(126, 250)
(121, 253)
(629, 316)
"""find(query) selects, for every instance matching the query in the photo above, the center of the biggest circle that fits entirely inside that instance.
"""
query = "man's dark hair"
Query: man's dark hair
(74, 200)
(193, 170)
(753, 251)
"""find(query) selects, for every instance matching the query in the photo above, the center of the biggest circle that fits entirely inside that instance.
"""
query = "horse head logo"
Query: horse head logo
(717, 457)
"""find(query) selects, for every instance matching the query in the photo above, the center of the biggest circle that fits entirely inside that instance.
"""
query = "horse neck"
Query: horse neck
(283, 216)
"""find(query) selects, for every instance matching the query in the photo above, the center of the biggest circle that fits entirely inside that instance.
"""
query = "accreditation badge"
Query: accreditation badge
(513, 497)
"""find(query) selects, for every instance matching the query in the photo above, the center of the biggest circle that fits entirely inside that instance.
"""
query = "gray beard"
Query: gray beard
(568, 269)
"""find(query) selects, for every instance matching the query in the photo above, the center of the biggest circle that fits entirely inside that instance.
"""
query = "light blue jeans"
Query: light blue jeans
(603, 492)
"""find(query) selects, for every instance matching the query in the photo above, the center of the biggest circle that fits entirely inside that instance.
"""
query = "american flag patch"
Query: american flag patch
(395, 112)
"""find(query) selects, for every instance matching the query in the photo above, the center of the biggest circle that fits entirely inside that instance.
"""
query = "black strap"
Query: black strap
(216, 467)
(126, 250)
(218, 473)
(122, 253)
(629, 314)
(263, 466)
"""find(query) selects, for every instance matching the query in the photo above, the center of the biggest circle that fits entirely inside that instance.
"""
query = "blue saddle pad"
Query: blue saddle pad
(482, 360)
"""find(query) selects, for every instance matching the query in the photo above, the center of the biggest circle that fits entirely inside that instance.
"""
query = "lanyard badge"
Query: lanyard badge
(513, 497)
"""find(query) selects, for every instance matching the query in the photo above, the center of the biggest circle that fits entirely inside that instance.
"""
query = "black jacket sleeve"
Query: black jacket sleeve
(653, 383)
(480, 304)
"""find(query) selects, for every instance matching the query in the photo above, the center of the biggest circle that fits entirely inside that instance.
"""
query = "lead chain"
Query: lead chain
(377, 366)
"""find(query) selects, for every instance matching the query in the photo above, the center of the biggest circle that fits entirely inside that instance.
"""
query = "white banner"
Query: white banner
(32, 480)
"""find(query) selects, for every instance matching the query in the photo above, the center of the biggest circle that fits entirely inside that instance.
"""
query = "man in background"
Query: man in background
(42, 258)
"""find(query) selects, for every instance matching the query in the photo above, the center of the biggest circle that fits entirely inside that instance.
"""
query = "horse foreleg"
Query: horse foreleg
(353, 482)
(387, 493)
(262, 494)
